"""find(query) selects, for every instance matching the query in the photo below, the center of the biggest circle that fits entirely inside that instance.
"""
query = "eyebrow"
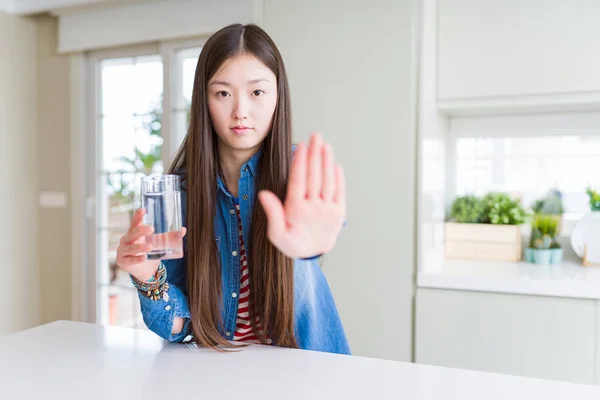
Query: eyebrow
(252, 82)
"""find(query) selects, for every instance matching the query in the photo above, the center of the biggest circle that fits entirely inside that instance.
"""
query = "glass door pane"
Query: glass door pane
(185, 69)
(129, 147)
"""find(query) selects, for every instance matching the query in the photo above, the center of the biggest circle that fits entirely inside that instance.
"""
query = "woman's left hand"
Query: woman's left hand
(311, 219)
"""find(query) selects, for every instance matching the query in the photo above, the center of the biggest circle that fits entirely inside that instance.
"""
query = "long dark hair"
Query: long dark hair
(271, 272)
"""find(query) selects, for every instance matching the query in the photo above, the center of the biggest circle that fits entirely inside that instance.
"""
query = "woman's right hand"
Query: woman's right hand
(131, 253)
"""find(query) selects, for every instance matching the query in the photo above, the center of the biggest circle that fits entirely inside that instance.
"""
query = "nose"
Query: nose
(241, 108)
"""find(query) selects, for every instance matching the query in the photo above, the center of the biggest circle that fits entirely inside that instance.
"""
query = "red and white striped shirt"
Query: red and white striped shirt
(243, 329)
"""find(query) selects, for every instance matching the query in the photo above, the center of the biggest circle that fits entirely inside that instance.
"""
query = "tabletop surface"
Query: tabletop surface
(72, 360)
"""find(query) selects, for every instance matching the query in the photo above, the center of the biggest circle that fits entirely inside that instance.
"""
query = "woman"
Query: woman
(249, 272)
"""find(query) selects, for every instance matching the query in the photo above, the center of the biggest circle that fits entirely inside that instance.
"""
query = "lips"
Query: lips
(241, 130)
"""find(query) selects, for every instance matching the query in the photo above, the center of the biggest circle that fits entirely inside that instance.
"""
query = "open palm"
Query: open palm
(310, 221)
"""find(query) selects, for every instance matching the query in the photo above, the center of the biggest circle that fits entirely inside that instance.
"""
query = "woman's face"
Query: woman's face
(242, 96)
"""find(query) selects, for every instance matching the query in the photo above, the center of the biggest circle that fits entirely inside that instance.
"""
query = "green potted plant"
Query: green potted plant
(501, 209)
(485, 228)
(543, 247)
(551, 204)
(467, 210)
(594, 199)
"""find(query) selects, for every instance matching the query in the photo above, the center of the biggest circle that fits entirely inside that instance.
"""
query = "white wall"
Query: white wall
(351, 66)
(517, 47)
(54, 171)
(121, 24)
(19, 271)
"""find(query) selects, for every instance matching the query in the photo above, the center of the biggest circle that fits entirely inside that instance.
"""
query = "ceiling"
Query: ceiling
(26, 7)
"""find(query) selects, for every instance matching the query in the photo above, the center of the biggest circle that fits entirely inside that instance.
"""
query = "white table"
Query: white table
(69, 360)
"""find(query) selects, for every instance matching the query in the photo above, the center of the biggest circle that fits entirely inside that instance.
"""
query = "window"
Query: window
(130, 116)
(526, 162)
(134, 136)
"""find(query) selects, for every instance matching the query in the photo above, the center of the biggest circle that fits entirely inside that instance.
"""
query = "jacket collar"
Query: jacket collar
(250, 166)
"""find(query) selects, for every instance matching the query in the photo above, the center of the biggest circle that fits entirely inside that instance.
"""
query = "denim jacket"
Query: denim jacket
(317, 323)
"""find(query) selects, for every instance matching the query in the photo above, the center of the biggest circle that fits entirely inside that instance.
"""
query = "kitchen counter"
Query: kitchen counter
(569, 279)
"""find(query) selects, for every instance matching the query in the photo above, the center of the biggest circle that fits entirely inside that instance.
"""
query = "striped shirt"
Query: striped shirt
(243, 329)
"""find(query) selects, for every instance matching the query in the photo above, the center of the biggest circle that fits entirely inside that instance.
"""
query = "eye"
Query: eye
(222, 93)
(258, 92)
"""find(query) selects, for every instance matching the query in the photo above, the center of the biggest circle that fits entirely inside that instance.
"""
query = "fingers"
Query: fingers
(132, 254)
(131, 260)
(183, 231)
(131, 251)
(314, 173)
(340, 188)
(275, 214)
(138, 217)
(328, 190)
(315, 167)
(135, 233)
(135, 249)
(297, 178)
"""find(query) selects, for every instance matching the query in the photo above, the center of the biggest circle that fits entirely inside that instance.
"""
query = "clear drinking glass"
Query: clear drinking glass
(161, 197)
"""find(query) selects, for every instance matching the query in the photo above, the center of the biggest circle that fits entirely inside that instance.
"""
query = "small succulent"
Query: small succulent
(537, 206)
(501, 209)
(594, 199)
(535, 239)
(555, 245)
(540, 240)
(543, 243)
(543, 232)
(551, 204)
(467, 209)
(547, 224)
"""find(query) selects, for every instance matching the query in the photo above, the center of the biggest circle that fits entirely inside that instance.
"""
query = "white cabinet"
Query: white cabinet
(542, 337)
(597, 342)
(513, 48)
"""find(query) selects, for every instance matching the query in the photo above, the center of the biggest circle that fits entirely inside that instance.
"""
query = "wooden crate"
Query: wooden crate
(482, 242)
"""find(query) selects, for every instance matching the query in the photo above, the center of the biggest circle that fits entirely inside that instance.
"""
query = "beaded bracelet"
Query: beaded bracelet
(154, 288)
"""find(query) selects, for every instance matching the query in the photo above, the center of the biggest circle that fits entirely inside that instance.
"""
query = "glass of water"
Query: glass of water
(161, 197)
